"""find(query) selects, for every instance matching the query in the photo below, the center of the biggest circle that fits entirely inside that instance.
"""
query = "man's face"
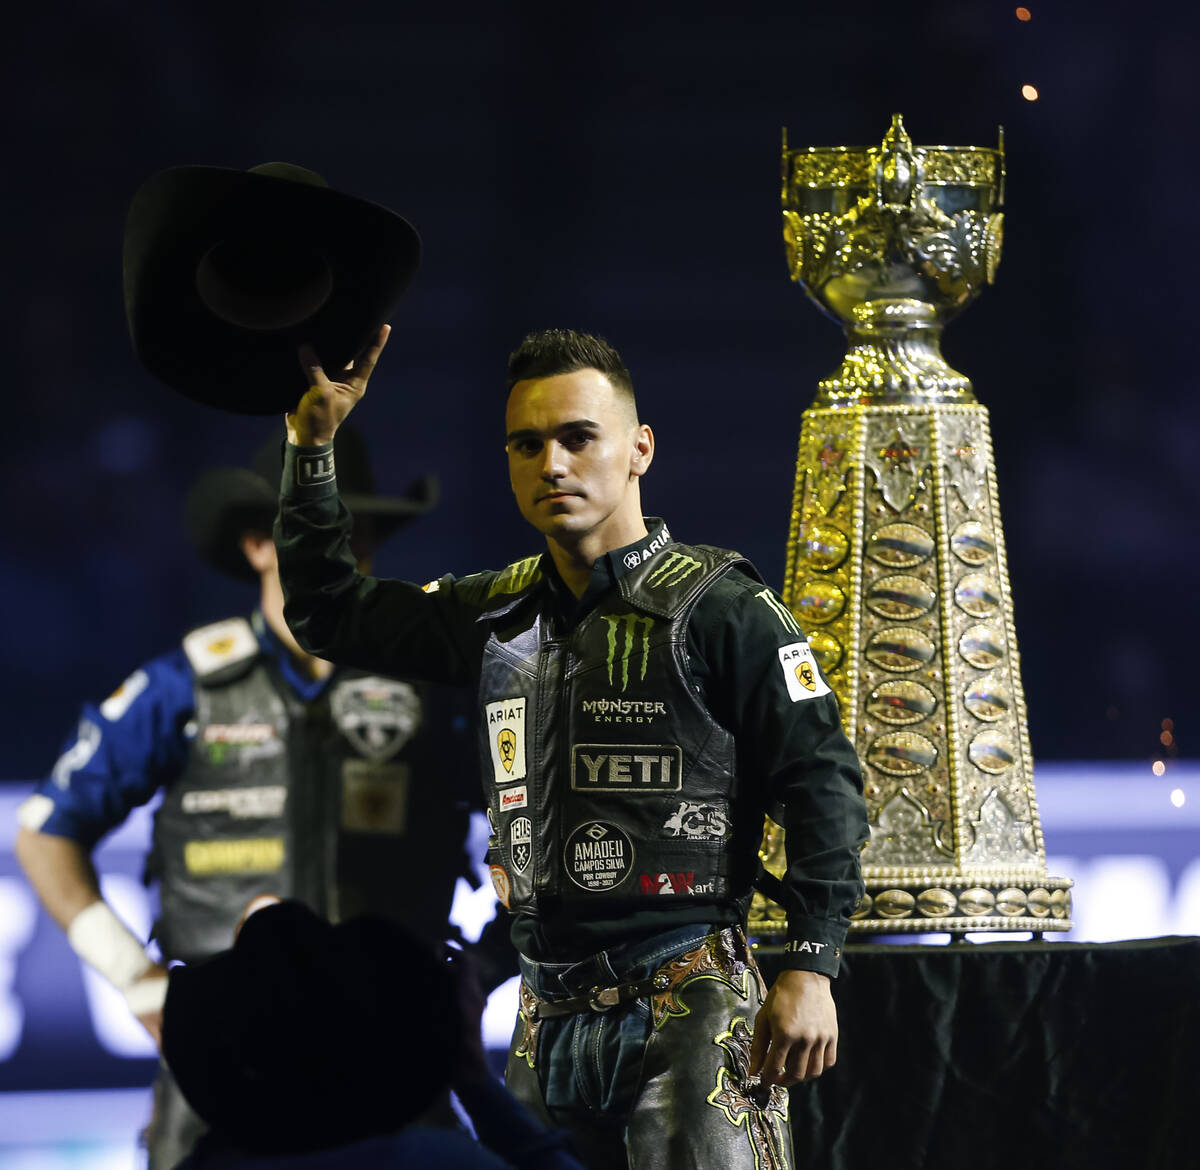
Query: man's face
(575, 453)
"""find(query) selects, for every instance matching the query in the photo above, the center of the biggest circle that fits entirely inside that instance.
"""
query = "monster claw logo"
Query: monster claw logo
(624, 641)
(506, 741)
(805, 676)
(676, 567)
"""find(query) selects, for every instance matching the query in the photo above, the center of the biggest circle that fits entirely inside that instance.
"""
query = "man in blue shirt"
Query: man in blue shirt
(281, 775)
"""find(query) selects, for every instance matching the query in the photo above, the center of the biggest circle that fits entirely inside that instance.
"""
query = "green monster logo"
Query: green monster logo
(624, 641)
(676, 567)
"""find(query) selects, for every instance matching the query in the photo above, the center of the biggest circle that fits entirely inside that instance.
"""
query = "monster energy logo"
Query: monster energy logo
(517, 576)
(780, 611)
(623, 642)
(676, 567)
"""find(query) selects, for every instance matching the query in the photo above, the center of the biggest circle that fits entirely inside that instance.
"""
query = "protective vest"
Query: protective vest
(607, 776)
(311, 800)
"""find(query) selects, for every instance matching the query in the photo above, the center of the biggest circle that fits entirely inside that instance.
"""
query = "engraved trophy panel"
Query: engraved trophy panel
(895, 563)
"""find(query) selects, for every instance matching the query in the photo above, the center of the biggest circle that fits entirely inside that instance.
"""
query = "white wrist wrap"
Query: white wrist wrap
(147, 995)
(105, 943)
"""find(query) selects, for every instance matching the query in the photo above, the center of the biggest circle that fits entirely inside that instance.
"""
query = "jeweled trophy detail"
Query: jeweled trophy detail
(896, 561)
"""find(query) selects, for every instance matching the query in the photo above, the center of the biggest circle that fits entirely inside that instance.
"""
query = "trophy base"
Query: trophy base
(932, 903)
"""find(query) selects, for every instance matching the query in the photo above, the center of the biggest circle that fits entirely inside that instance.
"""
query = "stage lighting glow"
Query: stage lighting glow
(1178, 797)
(1024, 14)
(1029, 93)
(1158, 767)
(1166, 738)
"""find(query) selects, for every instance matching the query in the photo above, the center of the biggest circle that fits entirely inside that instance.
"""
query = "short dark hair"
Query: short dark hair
(563, 351)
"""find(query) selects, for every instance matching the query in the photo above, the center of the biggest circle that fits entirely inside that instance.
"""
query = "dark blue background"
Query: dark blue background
(613, 168)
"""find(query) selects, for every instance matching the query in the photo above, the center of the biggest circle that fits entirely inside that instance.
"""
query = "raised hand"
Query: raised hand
(326, 403)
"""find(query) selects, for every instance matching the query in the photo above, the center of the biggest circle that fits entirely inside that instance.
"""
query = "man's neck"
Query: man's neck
(574, 561)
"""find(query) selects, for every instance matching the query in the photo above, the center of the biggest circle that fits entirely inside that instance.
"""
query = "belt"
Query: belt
(598, 999)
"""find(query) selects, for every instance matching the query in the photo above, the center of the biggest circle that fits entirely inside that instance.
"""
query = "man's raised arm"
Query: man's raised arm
(334, 611)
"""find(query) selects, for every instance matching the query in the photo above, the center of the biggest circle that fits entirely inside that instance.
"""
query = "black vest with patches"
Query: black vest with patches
(313, 800)
(606, 775)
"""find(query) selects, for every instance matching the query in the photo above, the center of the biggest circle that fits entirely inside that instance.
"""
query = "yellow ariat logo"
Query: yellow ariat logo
(251, 855)
(676, 567)
(220, 646)
(628, 633)
(805, 676)
(506, 742)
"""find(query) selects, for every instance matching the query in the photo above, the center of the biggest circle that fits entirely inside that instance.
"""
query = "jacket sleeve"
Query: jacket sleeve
(394, 627)
(122, 751)
(765, 682)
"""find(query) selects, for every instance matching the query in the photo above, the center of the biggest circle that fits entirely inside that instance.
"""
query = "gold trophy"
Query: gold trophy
(895, 561)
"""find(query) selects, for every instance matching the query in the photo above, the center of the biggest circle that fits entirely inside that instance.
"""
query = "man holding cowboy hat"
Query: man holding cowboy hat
(280, 775)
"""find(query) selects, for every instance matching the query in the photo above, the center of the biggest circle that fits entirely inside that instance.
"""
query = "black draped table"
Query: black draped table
(1019, 1055)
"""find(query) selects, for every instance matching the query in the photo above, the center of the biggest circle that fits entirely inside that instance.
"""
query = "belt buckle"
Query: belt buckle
(602, 999)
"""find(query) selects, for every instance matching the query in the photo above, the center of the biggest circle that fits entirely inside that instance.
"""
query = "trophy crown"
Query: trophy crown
(892, 241)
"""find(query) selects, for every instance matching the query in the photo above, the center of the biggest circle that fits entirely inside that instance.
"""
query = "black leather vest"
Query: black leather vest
(606, 775)
(311, 800)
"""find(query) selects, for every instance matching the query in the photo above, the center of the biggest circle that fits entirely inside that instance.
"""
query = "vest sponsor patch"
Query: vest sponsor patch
(500, 884)
(511, 798)
(240, 742)
(505, 722)
(800, 672)
(251, 855)
(377, 715)
(240, 803)
(622, 710)
(220, 645)
(598, 856)
(375, 797)
(676, 884)
(520, 841)
(119, 701)
(628, 647)
(608, 767)
(697, 821)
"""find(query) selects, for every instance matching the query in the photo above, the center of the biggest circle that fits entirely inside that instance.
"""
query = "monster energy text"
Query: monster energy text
(622, 710)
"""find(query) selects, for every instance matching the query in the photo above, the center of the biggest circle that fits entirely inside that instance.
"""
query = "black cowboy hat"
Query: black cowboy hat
(226, 502)
(227, 272)
(304, 1035)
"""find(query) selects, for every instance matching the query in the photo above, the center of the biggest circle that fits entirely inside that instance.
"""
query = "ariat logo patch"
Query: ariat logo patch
(506, 738)
(252, 855)
(675, 567)
(626, 768)
(781, 611)
(628, 647)
(800, 672)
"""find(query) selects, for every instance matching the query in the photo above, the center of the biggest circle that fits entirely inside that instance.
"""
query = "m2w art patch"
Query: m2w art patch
(800, 672)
